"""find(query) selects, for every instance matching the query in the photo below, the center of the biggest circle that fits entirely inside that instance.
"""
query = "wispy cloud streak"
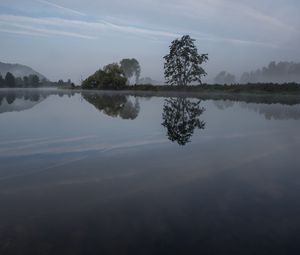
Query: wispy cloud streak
(65, 9)
(48, 26)
(31, 30)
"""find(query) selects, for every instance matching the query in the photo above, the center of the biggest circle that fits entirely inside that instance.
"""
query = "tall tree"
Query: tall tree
(131, 68)
(10, 80)
(183, 63)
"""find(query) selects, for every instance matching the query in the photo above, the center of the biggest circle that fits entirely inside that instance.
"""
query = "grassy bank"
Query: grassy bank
(287, 88)
(251, 93)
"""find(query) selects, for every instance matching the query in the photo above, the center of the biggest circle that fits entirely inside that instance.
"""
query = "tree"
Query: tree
(60, 83)
(34, 80)
(10, 80)
(147, 80)
(183, 63)
(114, 77)
(111, 77)
(131, 67)
(224, 78)
(25, 81)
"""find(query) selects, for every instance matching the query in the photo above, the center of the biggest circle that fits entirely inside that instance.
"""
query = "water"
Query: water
(109, 173)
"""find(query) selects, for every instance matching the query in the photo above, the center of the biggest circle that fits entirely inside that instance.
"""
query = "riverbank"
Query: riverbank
(287, 88)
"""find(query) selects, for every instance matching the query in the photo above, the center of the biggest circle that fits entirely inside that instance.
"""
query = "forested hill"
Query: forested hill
(18, 70)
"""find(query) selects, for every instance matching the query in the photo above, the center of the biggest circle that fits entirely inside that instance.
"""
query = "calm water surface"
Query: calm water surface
(108, 173)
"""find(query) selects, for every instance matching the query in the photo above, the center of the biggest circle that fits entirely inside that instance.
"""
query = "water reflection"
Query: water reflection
(271, 111)
(20, 100)
(181, 118)
(114, 105)
(74, 181)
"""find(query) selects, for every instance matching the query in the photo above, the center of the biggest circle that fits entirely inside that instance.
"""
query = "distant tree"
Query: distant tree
(245, 78)
(34, 80)
(111, 77)
(60, 83)
(147, 80)
(114, 76)
(183, 63)
(10, 97)
(95, 81)
(225, 78)
(19, 82)
(44, 82)
(131, 68)
(10, 80)
(25, 81)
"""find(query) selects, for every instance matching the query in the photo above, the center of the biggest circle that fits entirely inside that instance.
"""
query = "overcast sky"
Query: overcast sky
(72, 38)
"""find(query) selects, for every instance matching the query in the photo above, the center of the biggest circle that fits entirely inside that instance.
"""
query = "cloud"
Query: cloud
(263, 18)
(52, 21)
(31, 30)
(140, 31)
(62, 8)
(237, 41)
(229, 10)
(84, 29)
(232, 13)
(248, 23)
(18, 32)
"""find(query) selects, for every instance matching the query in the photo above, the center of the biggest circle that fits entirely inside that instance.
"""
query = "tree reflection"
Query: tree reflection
(19, 100)
(10, 97)
(181, 118)
(114, 105)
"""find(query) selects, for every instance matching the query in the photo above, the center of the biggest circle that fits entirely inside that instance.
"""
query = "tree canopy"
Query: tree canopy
(10, 80)
(183, 63)
(111, 77)
(131, 67)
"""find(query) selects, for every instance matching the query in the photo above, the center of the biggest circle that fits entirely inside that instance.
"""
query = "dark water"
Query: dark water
(101, 173)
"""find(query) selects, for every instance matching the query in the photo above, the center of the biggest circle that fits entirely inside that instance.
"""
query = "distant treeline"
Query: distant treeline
(275, 72)
(281, 72)
(30, 81)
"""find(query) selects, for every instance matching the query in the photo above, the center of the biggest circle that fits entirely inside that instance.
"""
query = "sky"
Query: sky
(65, 39)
